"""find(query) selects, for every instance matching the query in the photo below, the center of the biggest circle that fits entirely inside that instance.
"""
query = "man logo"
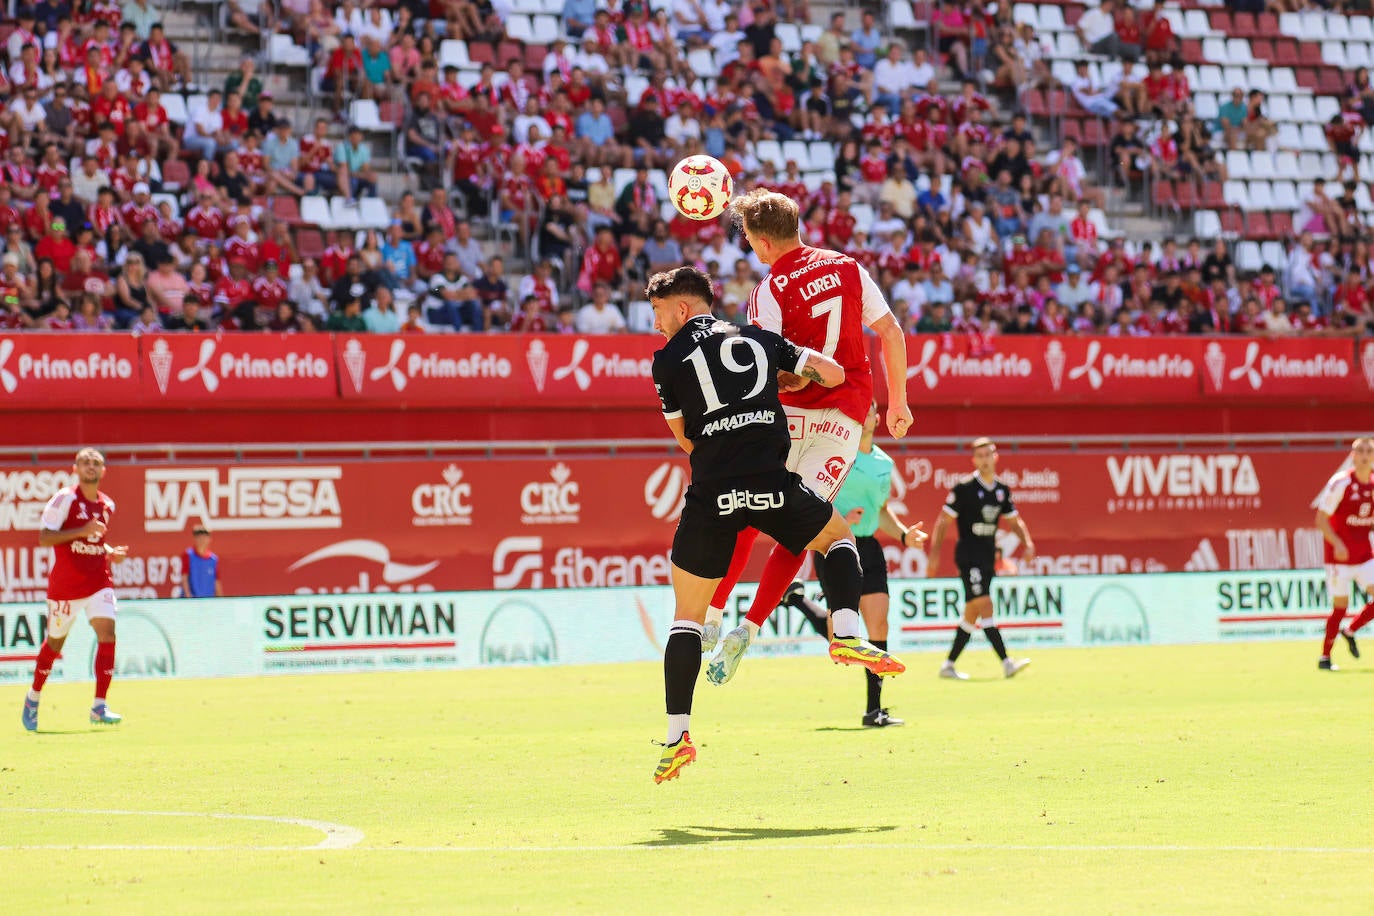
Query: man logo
(202, 368)
(665, 491)
(1089, 367)
(145, 649)
(1114, 616)
(923, 367)
(517, 633)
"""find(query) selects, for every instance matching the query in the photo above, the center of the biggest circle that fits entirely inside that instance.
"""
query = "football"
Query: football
(700, 187)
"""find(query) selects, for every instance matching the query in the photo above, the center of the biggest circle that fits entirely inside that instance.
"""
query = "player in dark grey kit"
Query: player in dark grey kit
(718, 386)
(977, 503)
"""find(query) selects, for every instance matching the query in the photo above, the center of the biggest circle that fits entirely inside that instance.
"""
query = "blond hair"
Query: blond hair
(769, 214)
(982, 442)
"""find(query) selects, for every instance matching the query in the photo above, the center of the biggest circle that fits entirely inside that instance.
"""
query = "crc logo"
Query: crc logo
(733, 500)
(1089, 367)
(447, 503)
(514, 559)
(517, 633)
(553, 501)
(1115, 615)
(145, 649)
(665, 490)
(923, 366)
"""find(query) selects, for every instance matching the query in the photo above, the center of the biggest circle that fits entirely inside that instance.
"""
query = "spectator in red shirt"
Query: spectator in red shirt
(344, 70)
(57, 247)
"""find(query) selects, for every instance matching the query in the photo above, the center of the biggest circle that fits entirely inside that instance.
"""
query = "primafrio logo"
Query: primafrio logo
(242, 498)
(574, 366)
(446, 503)
(551, 502)
(583, 370)
(1257, 368)
(233, 366)
(664, 491)
(92, 367)
(1114, 366)
(934, 365)
(404, 365)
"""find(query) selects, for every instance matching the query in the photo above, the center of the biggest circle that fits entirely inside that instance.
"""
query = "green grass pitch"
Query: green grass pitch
(1126, 780)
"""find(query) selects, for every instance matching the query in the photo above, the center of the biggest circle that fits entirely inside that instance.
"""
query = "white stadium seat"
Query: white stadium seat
(1206, 224)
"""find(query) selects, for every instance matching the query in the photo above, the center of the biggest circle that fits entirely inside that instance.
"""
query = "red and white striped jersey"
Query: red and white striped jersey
(80, 568)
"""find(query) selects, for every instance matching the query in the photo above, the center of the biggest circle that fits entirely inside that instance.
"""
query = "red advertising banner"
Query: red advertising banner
(499, 371)
(1008, 369)
(68, 369)
(180, 369)
(1265, 369)
(355, 526)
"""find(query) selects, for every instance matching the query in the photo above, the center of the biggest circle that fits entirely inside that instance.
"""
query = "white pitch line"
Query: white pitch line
(336, 836)
(722, 844)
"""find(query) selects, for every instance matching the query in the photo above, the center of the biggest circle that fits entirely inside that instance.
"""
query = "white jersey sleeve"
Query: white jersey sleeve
(764, 309)
(875, 304)
(1331, 494)
(55, 512)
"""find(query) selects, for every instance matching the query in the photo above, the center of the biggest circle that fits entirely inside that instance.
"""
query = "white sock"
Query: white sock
(33, 696)
(677, 727)
(752, 628)
(846, 622)
(715, 615)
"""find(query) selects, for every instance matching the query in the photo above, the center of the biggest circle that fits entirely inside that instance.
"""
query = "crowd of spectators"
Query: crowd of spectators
(966, 222)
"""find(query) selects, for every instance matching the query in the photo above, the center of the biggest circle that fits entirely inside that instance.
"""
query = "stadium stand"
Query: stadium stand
(1027, 168)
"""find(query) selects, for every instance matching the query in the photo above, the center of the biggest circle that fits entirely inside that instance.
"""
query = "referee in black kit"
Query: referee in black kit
(977, 503)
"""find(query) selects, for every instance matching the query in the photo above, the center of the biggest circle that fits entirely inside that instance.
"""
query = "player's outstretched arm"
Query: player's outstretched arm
(894, 362)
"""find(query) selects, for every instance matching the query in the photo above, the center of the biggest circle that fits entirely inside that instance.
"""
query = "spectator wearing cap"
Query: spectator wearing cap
(353, 165)
(57, 247)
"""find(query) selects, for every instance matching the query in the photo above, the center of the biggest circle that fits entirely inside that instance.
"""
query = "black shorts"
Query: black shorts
(874, 566)
(715, 512)
(976, 576)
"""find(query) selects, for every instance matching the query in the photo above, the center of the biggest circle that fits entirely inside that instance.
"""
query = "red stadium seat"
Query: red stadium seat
(391, 112)
(1286, 53)
(534, 58)
(1307, 78)
(309, 243)
(1262, 49)
(1071, 130)
(1058, 101)
(287, 209)
(1330, 82)
(1035, 104)
(1093, 133)
(1257, 227)
(1072, 14)
(1232, 223)
(508, 51)
(1268, 24)
(1282, 224)
(1212, 198)
(1163, 195)
(1185, 193)
(479, 52)
(1221, 21)
(1191, 52)
(175, 174)
(1243, 25)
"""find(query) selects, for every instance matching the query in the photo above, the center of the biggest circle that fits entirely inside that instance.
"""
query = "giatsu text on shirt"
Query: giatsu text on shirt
(763, 417)
(731, 500)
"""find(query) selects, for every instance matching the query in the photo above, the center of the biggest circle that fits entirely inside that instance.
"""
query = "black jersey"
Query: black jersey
(977, 507)
(722, 380)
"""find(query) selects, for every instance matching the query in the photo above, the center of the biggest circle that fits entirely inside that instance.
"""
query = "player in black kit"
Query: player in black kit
(718, 386)
(977, 503)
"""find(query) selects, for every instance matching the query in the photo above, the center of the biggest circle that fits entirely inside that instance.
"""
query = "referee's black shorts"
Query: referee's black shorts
(874, 565)
(716, 511)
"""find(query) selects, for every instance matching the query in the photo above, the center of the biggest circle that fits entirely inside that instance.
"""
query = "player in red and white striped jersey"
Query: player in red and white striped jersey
(1345, 517)
(823, 300)
(74, 524)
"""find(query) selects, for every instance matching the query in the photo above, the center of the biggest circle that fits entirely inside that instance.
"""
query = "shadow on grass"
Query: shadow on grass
(693, 836)
(93, 730)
